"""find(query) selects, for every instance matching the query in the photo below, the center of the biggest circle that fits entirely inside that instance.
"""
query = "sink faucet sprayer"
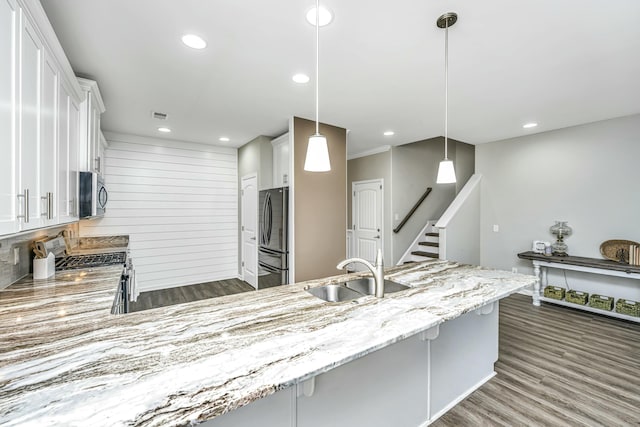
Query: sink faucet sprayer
(377, 270)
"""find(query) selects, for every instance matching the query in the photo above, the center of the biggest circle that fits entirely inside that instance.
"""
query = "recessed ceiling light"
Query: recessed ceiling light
(529, 125)
(223, 139)
(194, 41)
(164, 130)
(325, 16)
(389, 133)
(300, 78)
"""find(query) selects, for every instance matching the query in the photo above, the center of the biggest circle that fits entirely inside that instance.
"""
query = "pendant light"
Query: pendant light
(317, 159)
(446, 172)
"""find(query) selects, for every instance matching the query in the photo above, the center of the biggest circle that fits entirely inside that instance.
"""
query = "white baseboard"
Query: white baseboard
(458, 400)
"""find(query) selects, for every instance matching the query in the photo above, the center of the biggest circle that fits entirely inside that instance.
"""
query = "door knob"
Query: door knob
(377, 237)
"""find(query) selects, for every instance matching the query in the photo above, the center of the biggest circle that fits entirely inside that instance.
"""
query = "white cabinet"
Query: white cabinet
(281, 160)
(48, 142)
(68, 136)
(102, 146)
(90, 110)
(38, 122)
(29, 93)
(8, 141)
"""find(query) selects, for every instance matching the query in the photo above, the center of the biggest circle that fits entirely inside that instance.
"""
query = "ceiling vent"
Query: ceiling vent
(159, 116)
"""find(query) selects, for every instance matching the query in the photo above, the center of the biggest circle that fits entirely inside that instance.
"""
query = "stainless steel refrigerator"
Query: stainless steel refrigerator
(273, 251)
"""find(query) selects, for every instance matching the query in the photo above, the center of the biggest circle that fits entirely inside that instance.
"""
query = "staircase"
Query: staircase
(428, 248)
(425, 247)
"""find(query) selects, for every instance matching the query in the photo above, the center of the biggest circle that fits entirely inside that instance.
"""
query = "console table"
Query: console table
(588, 265)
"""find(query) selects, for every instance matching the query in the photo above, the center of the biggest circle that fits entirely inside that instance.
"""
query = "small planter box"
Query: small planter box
(577, 297)
(628, 307)
(602, 302)
(554, 292)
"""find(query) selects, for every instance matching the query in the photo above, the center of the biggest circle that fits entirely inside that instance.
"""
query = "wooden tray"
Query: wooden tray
(609, 249)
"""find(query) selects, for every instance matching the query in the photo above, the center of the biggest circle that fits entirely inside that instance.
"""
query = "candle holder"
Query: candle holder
(561, 230)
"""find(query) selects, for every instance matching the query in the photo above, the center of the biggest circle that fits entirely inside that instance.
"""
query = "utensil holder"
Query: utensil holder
(44, 268)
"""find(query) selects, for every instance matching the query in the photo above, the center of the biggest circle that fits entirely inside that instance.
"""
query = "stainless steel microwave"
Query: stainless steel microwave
(93, 195)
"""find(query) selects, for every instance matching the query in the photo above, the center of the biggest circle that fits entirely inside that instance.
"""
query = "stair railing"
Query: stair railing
(413, 210)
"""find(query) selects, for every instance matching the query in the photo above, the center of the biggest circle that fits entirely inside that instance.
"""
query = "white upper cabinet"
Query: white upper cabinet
(90, 111)
(8, 143)
(68, 136)
(39, 120)
(29, 93)
(281, 160)
(48, 142)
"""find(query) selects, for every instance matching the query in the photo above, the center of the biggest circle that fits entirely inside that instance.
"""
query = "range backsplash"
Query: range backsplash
(10, 273)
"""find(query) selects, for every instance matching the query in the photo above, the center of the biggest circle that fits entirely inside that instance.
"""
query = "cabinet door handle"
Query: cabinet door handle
(50, 206)
(98, 164)
(25, 196)
(49, 202)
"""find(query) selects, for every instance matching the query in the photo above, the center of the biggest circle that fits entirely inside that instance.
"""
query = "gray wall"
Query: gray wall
(414, 168)
(460, 240)
(587, 175)
(256, 156)
(376, 166)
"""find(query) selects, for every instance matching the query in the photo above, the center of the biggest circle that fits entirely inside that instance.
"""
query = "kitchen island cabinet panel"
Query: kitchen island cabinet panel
(387, 387)
(462, 357)
(275, 410)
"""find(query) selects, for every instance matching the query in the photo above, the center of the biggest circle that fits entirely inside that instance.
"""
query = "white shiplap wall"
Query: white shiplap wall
(178, 203)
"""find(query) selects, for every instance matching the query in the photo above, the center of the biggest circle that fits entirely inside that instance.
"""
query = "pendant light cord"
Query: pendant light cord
(317, 59)
(446, 86)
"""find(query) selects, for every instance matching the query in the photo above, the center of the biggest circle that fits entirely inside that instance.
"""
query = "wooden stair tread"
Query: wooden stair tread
(432, 234)
(425, 254)
(432, 244)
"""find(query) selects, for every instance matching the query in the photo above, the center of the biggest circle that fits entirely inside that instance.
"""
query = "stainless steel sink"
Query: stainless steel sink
(367, 286)
(334, 293)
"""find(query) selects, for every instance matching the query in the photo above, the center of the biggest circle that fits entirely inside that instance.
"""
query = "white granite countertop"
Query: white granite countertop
(65, 360)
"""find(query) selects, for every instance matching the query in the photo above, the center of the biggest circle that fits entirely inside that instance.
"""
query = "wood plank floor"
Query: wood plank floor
(557, 367)
(182, 294)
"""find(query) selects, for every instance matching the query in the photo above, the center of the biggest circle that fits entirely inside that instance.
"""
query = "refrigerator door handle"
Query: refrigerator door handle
(269, 218)
(263, 221)
(269, 268)
(266, 250)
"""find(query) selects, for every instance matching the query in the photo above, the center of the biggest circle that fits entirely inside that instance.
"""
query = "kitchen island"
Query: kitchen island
(64, 360)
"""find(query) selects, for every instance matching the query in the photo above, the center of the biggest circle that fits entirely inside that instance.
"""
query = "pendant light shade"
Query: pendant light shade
(317, 158)
(446, 172)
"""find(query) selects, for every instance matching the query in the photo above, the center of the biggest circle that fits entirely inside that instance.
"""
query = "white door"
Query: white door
(249, 229)
(367, 218)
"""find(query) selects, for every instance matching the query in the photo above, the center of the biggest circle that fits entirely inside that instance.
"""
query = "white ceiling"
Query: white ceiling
(559, 63)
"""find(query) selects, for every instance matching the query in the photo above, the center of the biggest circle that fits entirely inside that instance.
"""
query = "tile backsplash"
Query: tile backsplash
(10, 272)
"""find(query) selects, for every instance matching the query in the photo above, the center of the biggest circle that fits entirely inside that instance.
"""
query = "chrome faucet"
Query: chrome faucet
(377, 270)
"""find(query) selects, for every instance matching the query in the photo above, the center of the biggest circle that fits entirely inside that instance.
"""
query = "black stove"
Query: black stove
(72, 262)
